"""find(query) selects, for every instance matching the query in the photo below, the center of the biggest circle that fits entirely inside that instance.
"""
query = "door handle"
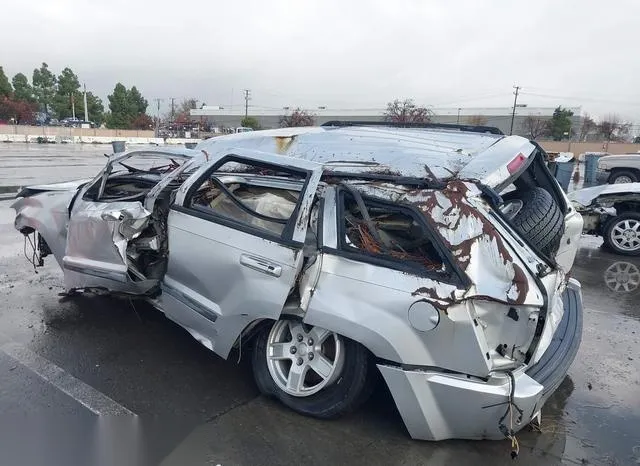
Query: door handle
(261, 265)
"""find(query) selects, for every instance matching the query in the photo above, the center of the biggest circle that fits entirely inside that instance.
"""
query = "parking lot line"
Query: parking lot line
(92, 399)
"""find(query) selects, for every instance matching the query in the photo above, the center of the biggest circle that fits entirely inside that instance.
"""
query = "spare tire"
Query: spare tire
(538, 218)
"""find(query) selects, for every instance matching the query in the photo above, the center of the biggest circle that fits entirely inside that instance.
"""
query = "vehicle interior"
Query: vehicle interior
(253, 202)
(386, 230)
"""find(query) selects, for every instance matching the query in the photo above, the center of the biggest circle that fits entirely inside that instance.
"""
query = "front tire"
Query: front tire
(622, 234)
(623, 176)
(311, 370)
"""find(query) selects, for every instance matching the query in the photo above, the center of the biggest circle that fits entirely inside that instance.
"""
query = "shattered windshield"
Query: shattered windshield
(149, 162)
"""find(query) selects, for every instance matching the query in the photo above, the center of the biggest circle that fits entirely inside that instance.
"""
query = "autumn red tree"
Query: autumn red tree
(297, 118)
(406, 111)
(21, 111)
(142, 121)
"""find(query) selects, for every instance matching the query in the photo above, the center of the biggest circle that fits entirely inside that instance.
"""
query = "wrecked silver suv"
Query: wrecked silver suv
(437, 256)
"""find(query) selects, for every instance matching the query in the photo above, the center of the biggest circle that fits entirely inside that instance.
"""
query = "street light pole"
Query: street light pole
(86, 110)
(515, 102)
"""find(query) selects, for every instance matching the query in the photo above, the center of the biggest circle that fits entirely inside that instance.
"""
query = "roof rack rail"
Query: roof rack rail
(469, 128)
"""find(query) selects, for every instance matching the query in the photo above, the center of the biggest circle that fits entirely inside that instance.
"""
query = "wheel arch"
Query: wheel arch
(375, 342)
(616, 170)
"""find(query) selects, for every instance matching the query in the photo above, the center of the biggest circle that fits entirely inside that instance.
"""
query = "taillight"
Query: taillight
(516, 163)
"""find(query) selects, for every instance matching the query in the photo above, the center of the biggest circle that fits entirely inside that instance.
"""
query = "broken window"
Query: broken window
(386, 230)
(259, 197)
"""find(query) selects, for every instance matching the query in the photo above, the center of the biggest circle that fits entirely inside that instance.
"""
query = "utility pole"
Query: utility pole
(158, 116)
(73, 107)
(458, 119)
(86, 110)
(172, 108)
(247, 98)
(515, 102)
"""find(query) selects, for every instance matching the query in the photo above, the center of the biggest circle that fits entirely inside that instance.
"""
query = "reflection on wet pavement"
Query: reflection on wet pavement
(623, 277)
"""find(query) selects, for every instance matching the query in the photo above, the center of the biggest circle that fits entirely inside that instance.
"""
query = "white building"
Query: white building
(499, 117)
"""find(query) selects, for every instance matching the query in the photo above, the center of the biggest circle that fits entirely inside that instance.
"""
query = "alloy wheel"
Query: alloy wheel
(625, 235)
(303, 359)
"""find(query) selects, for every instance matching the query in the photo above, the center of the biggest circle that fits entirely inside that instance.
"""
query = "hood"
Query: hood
(64, 186)
(585, 197)
(621, 160)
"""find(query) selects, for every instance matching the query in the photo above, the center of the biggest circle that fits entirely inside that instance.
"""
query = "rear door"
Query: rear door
(236, 235)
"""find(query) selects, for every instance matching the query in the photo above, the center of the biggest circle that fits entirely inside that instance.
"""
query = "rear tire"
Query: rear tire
(540, 220)
(346, 389)
(623, 176)
(622, 234)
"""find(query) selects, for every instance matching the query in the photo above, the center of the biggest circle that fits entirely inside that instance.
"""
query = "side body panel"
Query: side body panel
(391, 310)
(378, 315)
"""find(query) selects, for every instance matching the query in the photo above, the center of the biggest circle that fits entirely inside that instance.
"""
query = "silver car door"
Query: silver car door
(229, 263)
(100, 229)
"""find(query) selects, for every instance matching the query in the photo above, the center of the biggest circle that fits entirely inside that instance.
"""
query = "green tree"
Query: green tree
(22, 90)
(122, 113)
(560, 123)
(5, 86)
(127, 106)
(67, 95)
(68, 82)
(139, 103)
(44, 86)
(250, 122)
(95, 109)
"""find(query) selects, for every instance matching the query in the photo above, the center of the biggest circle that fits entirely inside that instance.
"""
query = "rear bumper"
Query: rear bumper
(437, 406)
(552, 367)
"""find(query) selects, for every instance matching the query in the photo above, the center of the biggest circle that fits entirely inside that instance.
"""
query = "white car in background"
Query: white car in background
(622, 168)
(612, 212)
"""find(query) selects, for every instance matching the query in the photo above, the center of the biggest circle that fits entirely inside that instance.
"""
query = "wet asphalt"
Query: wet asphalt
(195, 408)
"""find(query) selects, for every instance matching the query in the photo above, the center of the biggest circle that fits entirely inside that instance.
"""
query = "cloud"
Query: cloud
(336, 53)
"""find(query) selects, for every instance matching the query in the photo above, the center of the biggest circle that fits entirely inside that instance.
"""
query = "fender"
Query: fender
(48, 214)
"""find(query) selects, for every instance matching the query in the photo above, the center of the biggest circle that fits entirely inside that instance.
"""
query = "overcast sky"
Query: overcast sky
(341, 54)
